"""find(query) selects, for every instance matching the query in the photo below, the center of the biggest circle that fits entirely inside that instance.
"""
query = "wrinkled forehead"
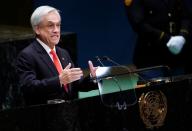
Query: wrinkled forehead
(51, 17)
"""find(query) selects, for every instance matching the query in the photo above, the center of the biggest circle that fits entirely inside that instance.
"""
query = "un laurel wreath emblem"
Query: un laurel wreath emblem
(153, 108)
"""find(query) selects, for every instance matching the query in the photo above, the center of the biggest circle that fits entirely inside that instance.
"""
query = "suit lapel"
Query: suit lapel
(45, 57)
(61, 58)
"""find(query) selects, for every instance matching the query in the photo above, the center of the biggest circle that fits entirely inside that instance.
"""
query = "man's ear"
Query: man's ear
(36, 29)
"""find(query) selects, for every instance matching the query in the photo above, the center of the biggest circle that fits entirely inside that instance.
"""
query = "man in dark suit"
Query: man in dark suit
(41, 80)
(162, 28)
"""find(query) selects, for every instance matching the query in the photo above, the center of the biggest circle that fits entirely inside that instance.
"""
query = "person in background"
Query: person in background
(162, 28)
(46, 71)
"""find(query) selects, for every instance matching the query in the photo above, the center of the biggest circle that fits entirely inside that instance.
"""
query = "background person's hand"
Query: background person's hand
(175, 44)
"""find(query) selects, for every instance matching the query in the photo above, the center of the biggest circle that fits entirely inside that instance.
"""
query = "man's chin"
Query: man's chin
(55, 41)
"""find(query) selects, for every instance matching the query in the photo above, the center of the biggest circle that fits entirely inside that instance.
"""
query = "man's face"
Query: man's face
(48, 30)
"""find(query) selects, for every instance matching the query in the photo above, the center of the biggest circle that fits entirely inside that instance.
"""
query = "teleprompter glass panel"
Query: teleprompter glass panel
(117, 86)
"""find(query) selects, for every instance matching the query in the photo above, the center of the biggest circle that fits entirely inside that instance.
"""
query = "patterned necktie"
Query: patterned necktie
(57, 65)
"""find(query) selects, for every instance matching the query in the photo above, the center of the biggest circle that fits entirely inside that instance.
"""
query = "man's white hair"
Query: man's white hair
(39, 12)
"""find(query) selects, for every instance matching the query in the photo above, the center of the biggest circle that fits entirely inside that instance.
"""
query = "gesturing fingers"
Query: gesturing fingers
(71, 75)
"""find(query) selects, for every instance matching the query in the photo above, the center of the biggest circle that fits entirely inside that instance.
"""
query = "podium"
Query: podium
(164, 104)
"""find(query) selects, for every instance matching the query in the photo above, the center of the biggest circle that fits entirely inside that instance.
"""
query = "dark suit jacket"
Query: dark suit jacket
(39, 79)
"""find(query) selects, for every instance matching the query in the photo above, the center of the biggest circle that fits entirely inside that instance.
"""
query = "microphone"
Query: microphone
(99, 60)
(115, 63)
(109, 59)
(133, 69)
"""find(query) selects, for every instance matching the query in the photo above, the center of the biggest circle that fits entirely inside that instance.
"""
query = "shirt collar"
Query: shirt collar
(47, 48)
